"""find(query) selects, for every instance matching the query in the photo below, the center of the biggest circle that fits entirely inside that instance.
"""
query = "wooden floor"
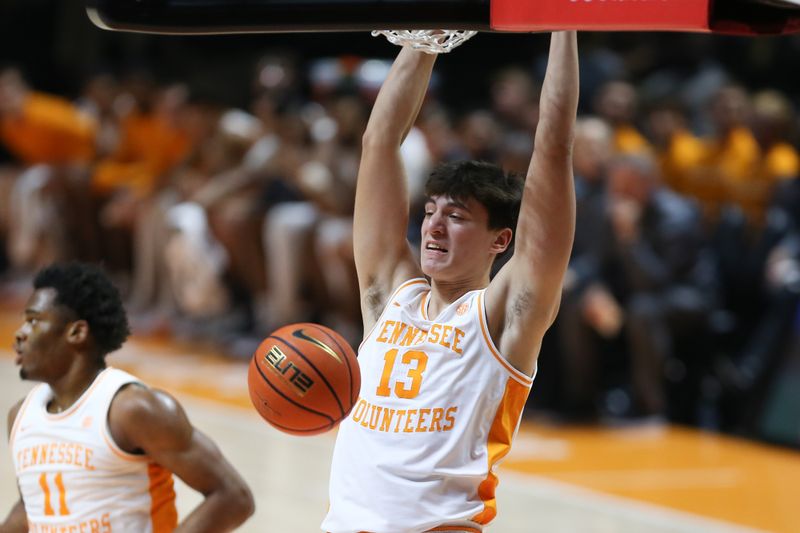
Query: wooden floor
(653, 479)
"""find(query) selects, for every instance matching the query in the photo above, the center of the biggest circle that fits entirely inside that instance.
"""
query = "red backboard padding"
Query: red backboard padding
(543, 15)
(740, 17)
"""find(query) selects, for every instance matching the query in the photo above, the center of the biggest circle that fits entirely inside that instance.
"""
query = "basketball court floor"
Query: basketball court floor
(654, 479)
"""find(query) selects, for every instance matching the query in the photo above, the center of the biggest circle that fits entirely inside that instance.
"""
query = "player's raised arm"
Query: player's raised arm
(523, 299)
(151, 422)
(382, 254)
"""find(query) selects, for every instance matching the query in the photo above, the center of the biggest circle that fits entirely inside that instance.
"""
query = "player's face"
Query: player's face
(456, 239)
(39, 341)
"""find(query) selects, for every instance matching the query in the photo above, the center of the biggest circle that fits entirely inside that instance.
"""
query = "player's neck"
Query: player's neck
(72, 384)
(443, 293)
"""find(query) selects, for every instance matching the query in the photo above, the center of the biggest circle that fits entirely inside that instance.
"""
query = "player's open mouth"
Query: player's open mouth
(435, 248)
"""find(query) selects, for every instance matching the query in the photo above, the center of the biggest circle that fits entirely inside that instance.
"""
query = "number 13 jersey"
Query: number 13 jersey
(438, 409)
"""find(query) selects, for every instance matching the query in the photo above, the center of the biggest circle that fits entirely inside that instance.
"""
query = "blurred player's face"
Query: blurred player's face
(39, 341)
(457, 244)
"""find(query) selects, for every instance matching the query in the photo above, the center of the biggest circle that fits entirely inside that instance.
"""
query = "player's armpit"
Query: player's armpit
(380, 218)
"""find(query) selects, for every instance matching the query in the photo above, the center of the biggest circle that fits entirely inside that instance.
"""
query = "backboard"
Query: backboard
(742, 17)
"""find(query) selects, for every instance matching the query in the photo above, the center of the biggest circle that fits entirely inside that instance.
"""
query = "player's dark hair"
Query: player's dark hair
(86, 291)
(499, 192)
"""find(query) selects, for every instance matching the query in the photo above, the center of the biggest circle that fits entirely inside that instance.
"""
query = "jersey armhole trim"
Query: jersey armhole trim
(423, 305)
(517, 375)
(22, 408)
(395, 293)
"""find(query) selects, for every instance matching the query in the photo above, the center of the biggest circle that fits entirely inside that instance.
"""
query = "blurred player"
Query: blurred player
(95, 449)
(447, 364)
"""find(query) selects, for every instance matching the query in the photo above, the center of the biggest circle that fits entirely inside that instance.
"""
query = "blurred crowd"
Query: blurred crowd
(222, 223)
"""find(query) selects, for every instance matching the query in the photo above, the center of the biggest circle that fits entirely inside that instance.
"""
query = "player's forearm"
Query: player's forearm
(16, 521)
(400, 98)
(559, 99)
(221, 511)
(547, 216)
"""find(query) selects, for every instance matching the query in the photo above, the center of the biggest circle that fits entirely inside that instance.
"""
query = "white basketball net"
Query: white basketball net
(427, 41)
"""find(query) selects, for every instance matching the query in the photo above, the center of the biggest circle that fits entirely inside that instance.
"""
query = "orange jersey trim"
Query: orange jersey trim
(501, 434)
(163, 514)
(516, 374)
(424, 305)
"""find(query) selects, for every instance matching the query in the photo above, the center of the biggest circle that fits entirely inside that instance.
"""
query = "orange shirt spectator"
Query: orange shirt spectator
(48, 129)
(149, 147)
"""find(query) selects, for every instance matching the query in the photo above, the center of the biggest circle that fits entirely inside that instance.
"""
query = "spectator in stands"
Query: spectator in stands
(153, 141)
(680, 153)
(734, 154)
(53, 143)
(773, 127)
(617, 103)
(515, 100)
(642, 283)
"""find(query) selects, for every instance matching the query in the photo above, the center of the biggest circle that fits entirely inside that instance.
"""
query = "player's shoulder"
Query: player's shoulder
(140, 415)
(141, 403)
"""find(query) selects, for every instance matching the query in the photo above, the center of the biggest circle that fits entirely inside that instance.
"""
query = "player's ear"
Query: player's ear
(77, 332)
(502, 240)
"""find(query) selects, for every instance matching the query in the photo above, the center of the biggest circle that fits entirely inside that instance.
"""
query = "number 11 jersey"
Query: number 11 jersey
(74, 478)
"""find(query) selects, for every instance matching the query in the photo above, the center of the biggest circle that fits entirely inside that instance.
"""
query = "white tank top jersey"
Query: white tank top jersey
(438, 409)
(74, 478)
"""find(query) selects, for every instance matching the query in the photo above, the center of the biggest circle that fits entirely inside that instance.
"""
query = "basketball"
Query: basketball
(304, 379)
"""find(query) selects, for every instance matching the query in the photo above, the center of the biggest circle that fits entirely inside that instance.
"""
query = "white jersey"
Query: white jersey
(74, 478)
(438, 409)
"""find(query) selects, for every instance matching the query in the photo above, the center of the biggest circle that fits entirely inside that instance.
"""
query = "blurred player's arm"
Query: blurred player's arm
(152, 422)
(17, 520)
(382, 254)
(523, 298)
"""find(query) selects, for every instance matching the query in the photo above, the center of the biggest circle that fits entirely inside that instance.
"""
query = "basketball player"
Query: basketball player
(447, 364)
(94, 449)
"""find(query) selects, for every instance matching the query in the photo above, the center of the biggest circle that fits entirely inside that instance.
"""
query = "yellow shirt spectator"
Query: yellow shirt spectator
(629, 141)
(781, 162)
(683, 156)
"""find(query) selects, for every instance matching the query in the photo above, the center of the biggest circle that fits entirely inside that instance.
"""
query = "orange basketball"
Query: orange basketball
(304, 379)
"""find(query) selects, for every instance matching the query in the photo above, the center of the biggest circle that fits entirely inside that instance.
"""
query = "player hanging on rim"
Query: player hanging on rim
(447, 365)
(94, 449)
